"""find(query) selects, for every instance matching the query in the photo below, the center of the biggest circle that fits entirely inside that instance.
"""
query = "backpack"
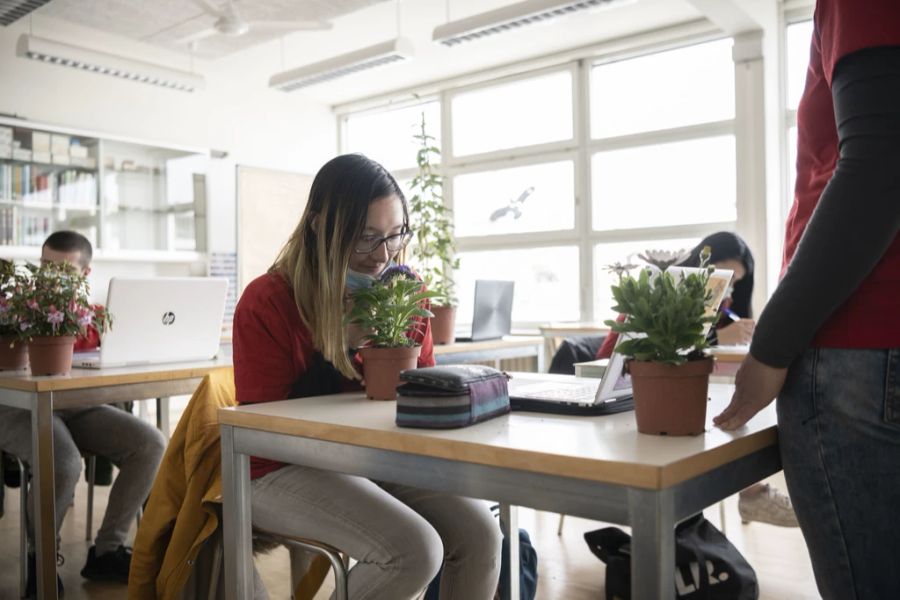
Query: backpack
(726, 574)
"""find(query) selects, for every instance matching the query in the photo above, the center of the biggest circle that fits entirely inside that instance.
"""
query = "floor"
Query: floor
(567, 569)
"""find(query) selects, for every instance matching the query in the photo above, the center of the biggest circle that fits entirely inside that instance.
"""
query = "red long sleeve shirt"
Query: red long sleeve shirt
(273, 350)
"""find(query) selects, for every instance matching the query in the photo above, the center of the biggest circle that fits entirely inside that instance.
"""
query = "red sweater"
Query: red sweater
(869, 318)
(273, 350)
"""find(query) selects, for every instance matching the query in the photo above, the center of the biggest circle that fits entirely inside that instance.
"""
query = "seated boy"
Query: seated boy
(133, 445)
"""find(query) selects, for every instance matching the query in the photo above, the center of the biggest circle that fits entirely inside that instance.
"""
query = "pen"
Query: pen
(731, 314)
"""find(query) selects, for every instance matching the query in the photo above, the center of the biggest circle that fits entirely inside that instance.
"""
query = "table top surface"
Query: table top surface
(510, 341)
(574, 328)
(92, 378)
(605, 448)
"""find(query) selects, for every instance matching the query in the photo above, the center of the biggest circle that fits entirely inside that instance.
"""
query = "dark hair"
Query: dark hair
(726, 245)
(71, 241)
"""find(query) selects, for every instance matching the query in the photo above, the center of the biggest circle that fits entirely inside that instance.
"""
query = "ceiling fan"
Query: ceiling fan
(229, 22)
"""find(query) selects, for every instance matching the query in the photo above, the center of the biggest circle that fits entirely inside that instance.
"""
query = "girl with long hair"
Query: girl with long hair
(290, 341)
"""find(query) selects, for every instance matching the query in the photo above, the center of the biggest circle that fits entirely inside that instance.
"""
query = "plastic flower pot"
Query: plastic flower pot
(670, 399)
(51, 355)
(382, 366)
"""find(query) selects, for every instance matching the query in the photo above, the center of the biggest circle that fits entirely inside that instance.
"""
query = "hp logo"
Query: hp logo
(168, 318)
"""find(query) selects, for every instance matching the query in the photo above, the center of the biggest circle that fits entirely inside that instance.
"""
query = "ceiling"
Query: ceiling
(165, 23)
(248, 60)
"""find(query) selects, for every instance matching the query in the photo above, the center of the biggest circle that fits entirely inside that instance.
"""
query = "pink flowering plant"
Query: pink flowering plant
(12, 279)
(54, 301)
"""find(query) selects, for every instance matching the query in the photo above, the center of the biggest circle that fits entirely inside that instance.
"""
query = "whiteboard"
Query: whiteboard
(269, 206)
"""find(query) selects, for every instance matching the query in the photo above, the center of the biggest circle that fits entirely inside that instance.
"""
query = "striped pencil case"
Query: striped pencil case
(451, 396)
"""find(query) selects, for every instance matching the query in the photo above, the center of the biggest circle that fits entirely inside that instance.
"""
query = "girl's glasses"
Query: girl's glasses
(394, 243)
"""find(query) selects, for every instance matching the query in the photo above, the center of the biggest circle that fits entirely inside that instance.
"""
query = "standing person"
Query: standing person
(133, 445)
(828, 343)
(290, 341)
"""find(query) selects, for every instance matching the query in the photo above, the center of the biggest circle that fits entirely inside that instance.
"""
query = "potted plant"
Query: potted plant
(435, 248)
(388, 311)
(664, 334)
(13, 354)
(51, 309)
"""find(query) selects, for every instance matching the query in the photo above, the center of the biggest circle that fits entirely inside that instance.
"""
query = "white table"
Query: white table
(593, 467)
(82, 388)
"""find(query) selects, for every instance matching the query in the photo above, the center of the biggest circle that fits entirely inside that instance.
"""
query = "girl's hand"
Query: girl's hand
(737, 333)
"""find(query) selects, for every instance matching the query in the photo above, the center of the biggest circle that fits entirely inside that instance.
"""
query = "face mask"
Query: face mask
(358, 281)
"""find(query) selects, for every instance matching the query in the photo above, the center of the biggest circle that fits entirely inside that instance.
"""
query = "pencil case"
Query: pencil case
(451, 396)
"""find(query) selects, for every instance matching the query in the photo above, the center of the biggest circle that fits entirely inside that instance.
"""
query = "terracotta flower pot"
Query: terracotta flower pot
(15, 358)
(443, 324)
(670, 399)
(382, 366)
(51, 355)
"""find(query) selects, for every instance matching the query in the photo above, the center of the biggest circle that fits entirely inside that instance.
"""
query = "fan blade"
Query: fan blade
(290, 25)
(210, 8)
(196, 37)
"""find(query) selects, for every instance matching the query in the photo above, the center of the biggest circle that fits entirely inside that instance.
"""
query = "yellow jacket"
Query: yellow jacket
(181, 512)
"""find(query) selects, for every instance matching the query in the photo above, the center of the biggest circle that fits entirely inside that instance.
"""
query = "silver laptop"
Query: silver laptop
(492, 313)
(160, 320)
(568, 395)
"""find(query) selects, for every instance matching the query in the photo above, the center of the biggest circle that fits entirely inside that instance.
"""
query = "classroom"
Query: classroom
(449, 299)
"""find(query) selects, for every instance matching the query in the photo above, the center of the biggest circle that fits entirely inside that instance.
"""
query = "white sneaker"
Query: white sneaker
(768, 506)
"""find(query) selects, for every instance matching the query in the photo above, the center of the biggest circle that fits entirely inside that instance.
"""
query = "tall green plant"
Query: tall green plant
(434, 253)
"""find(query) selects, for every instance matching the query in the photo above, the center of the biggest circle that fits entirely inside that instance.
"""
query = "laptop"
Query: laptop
(159, 320)
(492, 314)
(568, 395)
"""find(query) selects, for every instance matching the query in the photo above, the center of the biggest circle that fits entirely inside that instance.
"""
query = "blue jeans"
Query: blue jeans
(839, 431)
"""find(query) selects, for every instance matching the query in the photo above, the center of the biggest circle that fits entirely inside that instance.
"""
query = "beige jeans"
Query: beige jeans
(399, 536)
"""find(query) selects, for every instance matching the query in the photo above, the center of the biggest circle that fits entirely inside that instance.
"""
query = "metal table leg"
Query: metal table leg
(236, 519)
(43, 493)
(162, 416)
(509, 516)
(652, 544)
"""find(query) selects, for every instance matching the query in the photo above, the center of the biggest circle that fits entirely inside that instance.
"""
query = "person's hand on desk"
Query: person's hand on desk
(755, 386)
(737, 333)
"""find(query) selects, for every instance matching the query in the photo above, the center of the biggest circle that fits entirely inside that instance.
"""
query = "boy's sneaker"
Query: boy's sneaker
(31, 582)
(767, 506)
(109, 566)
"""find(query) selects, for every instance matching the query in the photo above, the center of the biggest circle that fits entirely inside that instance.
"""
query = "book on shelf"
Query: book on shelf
(21, 154)
(60, 159)
(41, 157)
(59, 143)
(40, 142)
(78, 150)
(5, 150)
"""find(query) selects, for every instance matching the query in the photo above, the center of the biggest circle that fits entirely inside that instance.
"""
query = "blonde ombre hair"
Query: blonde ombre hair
(315, 258)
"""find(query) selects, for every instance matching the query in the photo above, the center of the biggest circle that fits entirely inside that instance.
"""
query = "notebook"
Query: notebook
(569, 395)
(160, 320)
(492, 313)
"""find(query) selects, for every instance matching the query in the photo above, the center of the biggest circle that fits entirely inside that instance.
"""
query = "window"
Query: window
(799, 38)
(665, 184)
(660, 91)
(523, 112)
(387, 136)
(525, 199)
(541, 274)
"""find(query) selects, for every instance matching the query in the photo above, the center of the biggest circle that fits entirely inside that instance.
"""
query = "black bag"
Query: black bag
(726, 574)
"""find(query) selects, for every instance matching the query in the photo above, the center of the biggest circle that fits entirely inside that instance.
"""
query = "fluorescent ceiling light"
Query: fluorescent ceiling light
(13, 10)
(510, 18)
(386, 53)
(93, 61)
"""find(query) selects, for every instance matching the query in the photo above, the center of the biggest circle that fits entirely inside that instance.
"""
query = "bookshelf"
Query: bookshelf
(134, 200)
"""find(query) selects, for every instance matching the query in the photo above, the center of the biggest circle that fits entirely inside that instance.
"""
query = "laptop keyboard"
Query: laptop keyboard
(556, 392)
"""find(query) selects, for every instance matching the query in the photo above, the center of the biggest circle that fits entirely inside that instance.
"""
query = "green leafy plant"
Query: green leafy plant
(666, 314)
(388, 308)
(434, 251)
(54, 300)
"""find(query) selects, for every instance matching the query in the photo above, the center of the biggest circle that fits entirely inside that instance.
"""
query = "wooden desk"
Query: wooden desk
(82, 388)
(728, 360)
(593, 467)
(513, 346)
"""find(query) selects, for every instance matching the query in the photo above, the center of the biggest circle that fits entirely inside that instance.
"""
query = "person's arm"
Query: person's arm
(264, 369)
(854, 223)
(857, 217)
